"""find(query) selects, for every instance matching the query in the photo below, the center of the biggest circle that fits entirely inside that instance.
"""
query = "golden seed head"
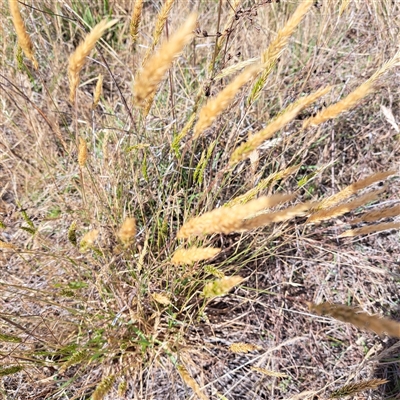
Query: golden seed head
(222, 286)
(127, 231)
(188, 256)
(82, 152)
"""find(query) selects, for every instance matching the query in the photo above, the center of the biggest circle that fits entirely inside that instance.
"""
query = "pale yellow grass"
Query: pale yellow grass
(127, 231)
(77, 59)
(189, 380)
(82, 152)
(255, 140)
(354, 188)
(189, 256)
(24, 39)
(97, 91)
(352, 99)
(358, 318)
(217, 105)
(375, 215)
(262, 185)
(336, 211)
(264, 219)
(228, 220)
(135, 19)
(268, 372)
(270, 56)
(159, 63)
(384, 226)
(243, 347)
(159, 27)
(222, 286)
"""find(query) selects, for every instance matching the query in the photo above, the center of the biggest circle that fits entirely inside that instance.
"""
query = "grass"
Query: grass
(198, 201)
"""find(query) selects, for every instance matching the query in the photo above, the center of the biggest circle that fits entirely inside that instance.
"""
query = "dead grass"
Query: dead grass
(106, 288)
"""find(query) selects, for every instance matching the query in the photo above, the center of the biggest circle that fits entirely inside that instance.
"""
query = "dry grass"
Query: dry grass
(140, 263)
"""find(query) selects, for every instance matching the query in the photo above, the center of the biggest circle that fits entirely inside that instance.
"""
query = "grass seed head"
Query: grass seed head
(127, 232)
(365, 230)
(221, 286)
(244, 150)
(189, 256)
(227, 220)
(97, 91)
(354, 388)
(352, 99)
(135, 19)
(24, 39)
(77, 59)
(243, 347)
(216, 106)
(103, 388)
(354, 188)
(268, 372)
(358, 318)
(190, 381)
(88, 240)
(157, 65)
(336, 211)
(82, 152)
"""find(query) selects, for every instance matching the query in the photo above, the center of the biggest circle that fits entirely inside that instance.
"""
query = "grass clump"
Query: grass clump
(163, 180)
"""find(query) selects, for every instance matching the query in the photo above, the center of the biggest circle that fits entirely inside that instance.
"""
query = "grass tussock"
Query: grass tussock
(162, 228)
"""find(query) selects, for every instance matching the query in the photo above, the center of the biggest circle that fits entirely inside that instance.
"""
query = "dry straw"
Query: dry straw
(77, 59)
(97, 91)
(127, 231)
(341, 209)
(358, 318)
(243, 347)
(221, 102)
(82, 152)
(189, 256)
(227, 220)
(354, 388)
(189, 380)
(221, 286)
(384, 226)
(278, 123)
(376, 215)
(158, 64)
(268, 372)
(23, 38)
(354, 188)
(353, 98)
(135, 19)
(270, 56)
